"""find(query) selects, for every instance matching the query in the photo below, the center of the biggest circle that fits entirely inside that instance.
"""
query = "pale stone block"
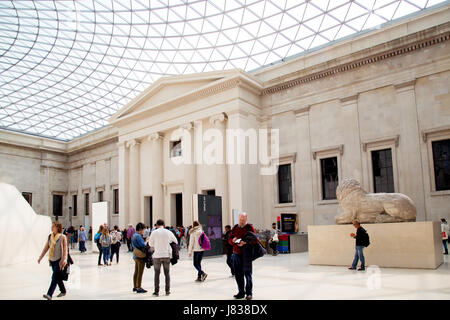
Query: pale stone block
(392, 245)
(22, 232)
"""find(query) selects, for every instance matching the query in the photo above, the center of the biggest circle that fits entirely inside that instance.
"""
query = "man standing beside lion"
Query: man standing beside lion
(357, 204)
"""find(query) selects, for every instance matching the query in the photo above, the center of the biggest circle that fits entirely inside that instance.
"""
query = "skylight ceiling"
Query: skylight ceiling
(67, 66)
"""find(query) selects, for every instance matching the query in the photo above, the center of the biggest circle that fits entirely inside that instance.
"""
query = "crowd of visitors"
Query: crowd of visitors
(159, 246)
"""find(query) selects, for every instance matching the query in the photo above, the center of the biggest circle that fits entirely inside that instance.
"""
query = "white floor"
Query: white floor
(281, 277)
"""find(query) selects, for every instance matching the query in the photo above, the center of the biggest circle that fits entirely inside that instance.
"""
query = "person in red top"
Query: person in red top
(243, 275)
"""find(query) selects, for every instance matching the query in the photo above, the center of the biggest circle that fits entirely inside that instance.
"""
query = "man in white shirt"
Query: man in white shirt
(160, 240)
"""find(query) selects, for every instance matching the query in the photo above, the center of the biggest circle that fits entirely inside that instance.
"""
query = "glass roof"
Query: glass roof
(67, 66)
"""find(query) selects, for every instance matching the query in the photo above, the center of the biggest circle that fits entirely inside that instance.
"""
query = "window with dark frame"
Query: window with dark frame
(100, 196)
(329, 177)
(75, 205)
(28, 196)
(116, 201)
(382, 170)
(57, 205)
(284, 183)
(441, 161)
(86, 204)
(175, 149)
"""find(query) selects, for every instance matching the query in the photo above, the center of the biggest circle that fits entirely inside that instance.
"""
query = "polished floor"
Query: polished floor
(281, 277)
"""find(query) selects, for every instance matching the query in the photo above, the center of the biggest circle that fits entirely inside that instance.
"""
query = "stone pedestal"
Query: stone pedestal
(298, 243)
(392, 245)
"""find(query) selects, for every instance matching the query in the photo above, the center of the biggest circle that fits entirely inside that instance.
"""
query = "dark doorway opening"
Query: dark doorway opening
(150, 211)
(179, 209)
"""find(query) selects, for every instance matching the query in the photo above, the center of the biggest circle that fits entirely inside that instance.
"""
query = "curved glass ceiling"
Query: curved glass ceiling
(67, 66)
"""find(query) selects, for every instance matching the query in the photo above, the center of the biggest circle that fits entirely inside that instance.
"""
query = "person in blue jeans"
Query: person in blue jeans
(56, 246)
(360, 237)
(196, 249)
(82, 237)
(105, 242)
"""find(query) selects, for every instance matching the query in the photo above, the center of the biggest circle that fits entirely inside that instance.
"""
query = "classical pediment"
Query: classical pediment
(169, 89)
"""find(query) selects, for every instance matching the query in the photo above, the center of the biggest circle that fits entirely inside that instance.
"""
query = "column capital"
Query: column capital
(187, 126)
(218, 118)
(405, 86)
(155, 136)
(349, 100)
(132, 143)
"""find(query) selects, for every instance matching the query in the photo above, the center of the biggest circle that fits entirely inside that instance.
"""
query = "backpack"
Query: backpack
(366, 239)
(204, 241)
(105, 241)
(115, 237)
(97, 237)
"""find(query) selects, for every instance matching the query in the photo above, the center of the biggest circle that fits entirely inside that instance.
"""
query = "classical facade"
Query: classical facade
(375, 108)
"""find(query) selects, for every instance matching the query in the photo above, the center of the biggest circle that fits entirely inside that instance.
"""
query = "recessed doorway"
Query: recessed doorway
(148, 211)
(176, 208)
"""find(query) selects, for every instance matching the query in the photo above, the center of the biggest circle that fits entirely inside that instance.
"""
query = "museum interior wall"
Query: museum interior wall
(384, 94)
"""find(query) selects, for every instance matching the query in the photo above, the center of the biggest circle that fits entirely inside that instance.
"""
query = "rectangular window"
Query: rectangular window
(28, 196)
(329, 172)
(100, 196)
(75, 205)
(86, 204)
(116, 201)
(175, 149)
(57, 205)
(284, 184)
(441, 160)
(383, 175)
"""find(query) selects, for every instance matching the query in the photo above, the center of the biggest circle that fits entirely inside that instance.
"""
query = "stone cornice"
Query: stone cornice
(416, 45)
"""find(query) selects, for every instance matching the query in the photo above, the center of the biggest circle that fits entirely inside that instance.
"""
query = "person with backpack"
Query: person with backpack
(242, 271)
(97, 242)
(196, 241)
(116, 237)
(56, 245)
(105, 242)
(362, 241)
(160, 243)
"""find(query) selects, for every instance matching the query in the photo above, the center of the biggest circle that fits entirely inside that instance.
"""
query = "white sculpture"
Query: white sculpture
(372, 207)
(22, 232)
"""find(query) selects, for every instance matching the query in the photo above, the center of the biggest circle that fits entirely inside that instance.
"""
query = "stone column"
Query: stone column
(235, 171)
(304, 178)
(411, 172)
(135, 214)
(157, 175)
(221, 187)
(123, 155)
(190, 176)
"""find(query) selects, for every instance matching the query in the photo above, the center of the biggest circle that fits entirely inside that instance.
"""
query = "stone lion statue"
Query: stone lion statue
(356, 203)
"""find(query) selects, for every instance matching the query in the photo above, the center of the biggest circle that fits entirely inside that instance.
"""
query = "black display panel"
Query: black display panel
(210, 217)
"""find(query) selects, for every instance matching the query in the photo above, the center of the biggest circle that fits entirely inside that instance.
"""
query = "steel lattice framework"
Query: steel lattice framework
(67, 66)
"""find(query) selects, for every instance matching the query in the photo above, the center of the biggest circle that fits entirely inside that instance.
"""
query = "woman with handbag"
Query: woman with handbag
(139, 255)
(57, 256)
(273, 242)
